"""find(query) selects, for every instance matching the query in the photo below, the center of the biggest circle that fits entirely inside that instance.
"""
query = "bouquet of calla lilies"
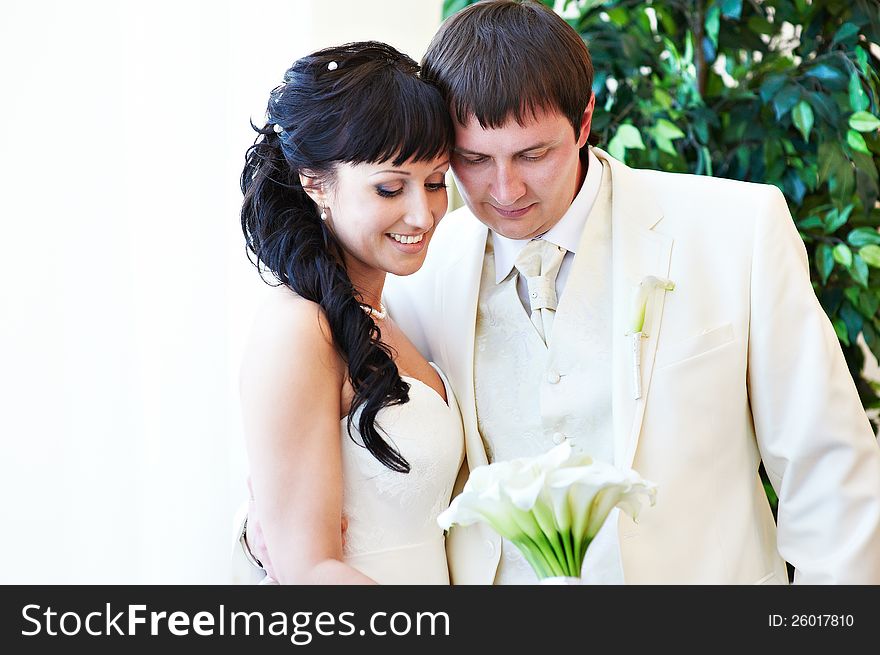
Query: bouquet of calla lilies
(550, 506)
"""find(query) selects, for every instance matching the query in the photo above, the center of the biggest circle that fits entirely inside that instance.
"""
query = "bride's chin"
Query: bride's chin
(402, 267)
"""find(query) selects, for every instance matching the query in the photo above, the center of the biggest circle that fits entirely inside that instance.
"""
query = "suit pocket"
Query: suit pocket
(676, 352)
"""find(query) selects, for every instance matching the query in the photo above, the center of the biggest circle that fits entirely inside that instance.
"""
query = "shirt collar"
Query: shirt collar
(566, 233)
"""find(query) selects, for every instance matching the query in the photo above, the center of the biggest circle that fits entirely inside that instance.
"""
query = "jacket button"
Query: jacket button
(558, 438)
(553, 377)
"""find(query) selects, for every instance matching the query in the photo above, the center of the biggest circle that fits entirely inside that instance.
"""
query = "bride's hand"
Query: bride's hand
(254, 535)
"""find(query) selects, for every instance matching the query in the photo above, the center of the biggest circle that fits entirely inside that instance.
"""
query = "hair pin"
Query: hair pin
(332, 66)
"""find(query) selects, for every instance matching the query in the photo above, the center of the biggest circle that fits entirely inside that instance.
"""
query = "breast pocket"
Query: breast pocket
(705, 342)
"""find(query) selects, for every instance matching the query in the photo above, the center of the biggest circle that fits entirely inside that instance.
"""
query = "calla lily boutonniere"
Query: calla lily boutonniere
(637, 323)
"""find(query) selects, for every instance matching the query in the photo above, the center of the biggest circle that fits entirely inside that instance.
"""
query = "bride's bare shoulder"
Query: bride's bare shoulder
(286, 325)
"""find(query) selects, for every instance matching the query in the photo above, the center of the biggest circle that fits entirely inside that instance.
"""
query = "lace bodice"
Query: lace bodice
(392, 533)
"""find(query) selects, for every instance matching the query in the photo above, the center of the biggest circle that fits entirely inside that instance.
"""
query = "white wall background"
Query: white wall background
(125, 294)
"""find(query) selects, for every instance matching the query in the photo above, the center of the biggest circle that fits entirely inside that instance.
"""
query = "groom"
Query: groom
(525, 301)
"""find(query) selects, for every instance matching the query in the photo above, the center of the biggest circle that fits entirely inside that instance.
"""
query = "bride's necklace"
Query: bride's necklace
(379, 314)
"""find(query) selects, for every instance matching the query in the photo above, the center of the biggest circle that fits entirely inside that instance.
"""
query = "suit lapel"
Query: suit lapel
(458, 294)
(637, 252)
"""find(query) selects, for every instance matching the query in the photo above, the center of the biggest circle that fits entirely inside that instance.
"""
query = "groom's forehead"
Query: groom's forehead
(514, 134)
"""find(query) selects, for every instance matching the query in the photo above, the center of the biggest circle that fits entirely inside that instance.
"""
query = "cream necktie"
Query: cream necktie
(539, 262)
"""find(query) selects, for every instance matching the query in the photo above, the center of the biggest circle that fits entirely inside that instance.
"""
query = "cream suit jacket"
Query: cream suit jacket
(740, 365)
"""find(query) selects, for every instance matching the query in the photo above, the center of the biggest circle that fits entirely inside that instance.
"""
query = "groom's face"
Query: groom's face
(520, 179)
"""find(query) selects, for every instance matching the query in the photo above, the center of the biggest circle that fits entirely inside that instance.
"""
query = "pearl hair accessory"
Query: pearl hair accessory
(332, 66)
(278, 129)
(379, 314)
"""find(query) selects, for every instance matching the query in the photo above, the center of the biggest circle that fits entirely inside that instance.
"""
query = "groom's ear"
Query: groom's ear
(586, 121)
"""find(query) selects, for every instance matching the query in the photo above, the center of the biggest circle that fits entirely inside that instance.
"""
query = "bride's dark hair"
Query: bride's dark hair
(356, 103)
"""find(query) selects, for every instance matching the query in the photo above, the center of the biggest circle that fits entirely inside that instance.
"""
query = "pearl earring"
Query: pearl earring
(323, 213)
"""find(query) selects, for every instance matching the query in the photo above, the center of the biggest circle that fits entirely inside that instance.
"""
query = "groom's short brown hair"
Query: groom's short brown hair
(499, 59)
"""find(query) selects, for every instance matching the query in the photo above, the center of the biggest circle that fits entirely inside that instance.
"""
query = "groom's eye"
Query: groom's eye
(534, 156)
(473, 160)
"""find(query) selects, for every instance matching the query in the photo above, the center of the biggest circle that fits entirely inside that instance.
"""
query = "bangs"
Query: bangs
(495, 99)
(399, 119)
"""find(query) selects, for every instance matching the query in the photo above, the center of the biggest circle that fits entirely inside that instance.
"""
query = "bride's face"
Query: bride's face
(384, 215)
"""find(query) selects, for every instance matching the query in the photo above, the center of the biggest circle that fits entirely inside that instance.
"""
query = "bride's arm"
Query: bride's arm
(291, 387)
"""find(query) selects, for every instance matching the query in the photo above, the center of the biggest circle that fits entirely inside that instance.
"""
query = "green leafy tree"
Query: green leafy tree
(783, 92)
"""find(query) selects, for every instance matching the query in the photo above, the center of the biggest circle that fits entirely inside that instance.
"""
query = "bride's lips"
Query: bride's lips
(512, 213)
(409, 248)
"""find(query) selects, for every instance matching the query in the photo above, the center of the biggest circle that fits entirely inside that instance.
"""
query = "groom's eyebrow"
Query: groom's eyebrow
(536, 146)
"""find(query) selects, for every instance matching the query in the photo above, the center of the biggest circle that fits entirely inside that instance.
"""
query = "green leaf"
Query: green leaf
(852, 319)
(453, 6)
(846, 32)
(871, 255)
(786, 99)
(868, 303)
(665, 145)
(826, 73)
(857, 142)
(872, 339)
(713, 23)
(858, 99)
(835, 219)
(662, 98)
(862, 121)
(668, 130)
(863, 236)
(842, 255)
(802, 115)
(824, 106)
(859, 271)
(810, 223)
(824, 261)
(731, 9)
(852, 293)
(862, 58)
(771, 86)
(761, 25)
(616, 149)
(630, 137)
(840, 330)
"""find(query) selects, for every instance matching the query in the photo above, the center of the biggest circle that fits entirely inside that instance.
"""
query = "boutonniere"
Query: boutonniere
(637, 323)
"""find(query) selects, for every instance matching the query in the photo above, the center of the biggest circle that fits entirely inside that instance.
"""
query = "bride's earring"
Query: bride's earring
(323, 212)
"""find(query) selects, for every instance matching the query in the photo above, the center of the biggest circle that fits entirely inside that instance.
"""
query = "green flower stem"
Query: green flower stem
(546, 522)
(533, 557)
(567, 545)
(527, 523)
(540, 547)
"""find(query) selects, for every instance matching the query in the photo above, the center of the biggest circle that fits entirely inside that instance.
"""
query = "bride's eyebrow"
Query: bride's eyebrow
(390, 170)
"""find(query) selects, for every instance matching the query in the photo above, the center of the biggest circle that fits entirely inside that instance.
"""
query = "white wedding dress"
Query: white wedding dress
(393, 535)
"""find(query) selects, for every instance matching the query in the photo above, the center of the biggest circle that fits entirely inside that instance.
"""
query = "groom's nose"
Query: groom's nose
(507, 187)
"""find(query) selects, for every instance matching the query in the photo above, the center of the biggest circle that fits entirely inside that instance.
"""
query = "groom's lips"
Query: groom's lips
(512, 213)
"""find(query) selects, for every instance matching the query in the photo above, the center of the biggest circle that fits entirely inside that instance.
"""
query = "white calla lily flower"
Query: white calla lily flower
(550, 506)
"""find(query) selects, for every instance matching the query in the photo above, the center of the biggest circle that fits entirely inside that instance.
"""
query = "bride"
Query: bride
(344, 419)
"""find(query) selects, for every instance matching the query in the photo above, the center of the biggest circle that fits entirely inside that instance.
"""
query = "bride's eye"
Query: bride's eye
(388, 193)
